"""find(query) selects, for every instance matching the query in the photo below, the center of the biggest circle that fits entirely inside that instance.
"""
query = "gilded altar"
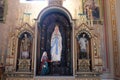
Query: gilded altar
(24, 65)
(20, 60)
(83, 65)
(89, 60)
(74, 61)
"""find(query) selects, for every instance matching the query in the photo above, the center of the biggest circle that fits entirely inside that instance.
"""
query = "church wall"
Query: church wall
(108, 28)
(118, 16)
(3, 41)
(118, 28)
(14, 19)
(113, 36)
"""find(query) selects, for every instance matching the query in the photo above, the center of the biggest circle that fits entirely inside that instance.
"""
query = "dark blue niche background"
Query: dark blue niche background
(45, 29)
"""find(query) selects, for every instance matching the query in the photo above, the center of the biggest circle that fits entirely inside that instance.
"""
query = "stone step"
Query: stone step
(54, 78)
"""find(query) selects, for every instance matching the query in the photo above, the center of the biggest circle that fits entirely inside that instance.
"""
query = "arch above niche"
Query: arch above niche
(25, 28)
(50, 9)
(84, 28)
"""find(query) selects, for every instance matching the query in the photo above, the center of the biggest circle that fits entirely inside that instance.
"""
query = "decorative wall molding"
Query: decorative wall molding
(55, 2)
(55, 78)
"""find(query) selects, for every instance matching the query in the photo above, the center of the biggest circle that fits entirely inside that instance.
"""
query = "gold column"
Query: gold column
(114, 37)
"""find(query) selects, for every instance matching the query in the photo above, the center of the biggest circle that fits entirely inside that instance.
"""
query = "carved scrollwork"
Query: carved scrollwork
(84, 65)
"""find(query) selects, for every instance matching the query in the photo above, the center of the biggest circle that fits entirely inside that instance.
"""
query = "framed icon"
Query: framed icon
(2, 10)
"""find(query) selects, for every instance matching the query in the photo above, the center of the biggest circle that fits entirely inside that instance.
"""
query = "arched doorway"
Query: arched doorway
(46, 27)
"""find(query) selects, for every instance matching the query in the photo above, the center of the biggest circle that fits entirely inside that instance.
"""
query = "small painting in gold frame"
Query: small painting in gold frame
(2, 10)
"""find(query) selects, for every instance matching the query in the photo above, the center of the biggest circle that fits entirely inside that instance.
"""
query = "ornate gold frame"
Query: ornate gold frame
(95, 50)
(13, 46)
(115, 36)
(4, 6)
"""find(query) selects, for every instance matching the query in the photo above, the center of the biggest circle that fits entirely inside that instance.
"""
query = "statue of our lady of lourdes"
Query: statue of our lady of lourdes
(56, 45)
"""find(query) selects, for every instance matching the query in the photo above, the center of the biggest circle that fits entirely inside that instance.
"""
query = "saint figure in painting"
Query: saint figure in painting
(56, 44)
(25, 47)
(1, 9)
(44, 64)
(91, 8)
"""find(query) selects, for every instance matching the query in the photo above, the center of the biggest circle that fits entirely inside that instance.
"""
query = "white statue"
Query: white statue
(83, 43)
(25, 47)
(56, 45)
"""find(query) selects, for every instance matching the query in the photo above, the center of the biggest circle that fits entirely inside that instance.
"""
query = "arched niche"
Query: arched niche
(84, 49)
(47, 20)
(24, 52)
(17, 48)
(91, 63)
(21, 39)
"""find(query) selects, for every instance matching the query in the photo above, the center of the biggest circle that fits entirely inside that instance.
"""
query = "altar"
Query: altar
(56, 46)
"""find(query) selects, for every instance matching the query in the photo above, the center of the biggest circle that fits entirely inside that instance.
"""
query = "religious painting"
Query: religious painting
(1, 10)
(92, 8)
(54, 57)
